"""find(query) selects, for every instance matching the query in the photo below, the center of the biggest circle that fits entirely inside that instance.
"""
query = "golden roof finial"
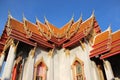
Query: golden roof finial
(72, 19)
(81, 16)
(80, 19)
(24, 18)
(45, 19)
(9, 15)
(93, 13)
(37, 20)
(109, 28)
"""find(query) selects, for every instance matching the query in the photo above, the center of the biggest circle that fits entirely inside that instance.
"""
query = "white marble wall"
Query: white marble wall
(40, 53)
(60, 65)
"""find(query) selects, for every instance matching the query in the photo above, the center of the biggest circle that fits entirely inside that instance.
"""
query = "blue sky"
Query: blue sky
(59, 12)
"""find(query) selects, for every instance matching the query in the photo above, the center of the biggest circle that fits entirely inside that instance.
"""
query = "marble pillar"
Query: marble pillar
(30, 68)
(9, 63)
(1, 60)
(95, 71)
(108, 70)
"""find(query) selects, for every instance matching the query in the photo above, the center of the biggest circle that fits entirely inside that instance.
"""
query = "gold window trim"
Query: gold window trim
(35, 67)
(73, 68)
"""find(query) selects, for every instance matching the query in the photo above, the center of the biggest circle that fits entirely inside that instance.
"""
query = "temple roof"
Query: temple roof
(115, 45)
(47, 35)
(101, 43)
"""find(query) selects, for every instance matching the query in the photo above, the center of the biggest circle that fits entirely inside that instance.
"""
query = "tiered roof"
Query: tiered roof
(115, 45)
(101, 43)
(46, 34)
(106, 44)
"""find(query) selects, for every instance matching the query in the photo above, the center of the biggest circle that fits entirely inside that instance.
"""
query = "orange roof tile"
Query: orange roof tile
(86, 24)
(14, 24)
(101, 37)
(116, 36)
(73, 27)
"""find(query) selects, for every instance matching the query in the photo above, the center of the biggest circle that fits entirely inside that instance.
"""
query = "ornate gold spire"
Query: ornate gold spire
(9, 17)
(28, 32)
(41, 30)
(46, 21)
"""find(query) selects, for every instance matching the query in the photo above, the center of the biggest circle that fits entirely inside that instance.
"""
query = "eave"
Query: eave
(41, 41)
(58, 42)
(21, 37)
(114, 50)
(101, 43)
(74, 39)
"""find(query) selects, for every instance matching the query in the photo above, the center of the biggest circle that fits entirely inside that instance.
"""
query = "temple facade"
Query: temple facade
(41, 51)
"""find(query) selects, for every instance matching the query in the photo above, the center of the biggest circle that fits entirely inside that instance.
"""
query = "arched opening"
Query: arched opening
(78, 69)
(40, 72)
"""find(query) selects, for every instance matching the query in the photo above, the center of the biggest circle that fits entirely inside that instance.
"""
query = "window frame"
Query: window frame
(75, 75)
(36, 68)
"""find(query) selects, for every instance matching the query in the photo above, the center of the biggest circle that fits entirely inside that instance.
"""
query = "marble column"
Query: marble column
(9, 62)
(1, 60)
(95, 72)
(30, 66)
(108, 70)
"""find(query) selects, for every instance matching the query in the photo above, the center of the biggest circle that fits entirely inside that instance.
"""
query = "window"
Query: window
(77, 68)
(78, 71)
(40, 70)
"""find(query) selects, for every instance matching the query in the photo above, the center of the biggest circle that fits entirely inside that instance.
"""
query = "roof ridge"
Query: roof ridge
(116, 31)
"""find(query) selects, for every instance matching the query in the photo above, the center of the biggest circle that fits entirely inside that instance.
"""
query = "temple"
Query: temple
(77, 51)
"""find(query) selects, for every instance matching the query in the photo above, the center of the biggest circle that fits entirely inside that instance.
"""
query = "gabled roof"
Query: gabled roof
(74, 28)
(101, 43)
(84, 29)
(34, 34)
(48, 35)
(115, 45)
(56, 32)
